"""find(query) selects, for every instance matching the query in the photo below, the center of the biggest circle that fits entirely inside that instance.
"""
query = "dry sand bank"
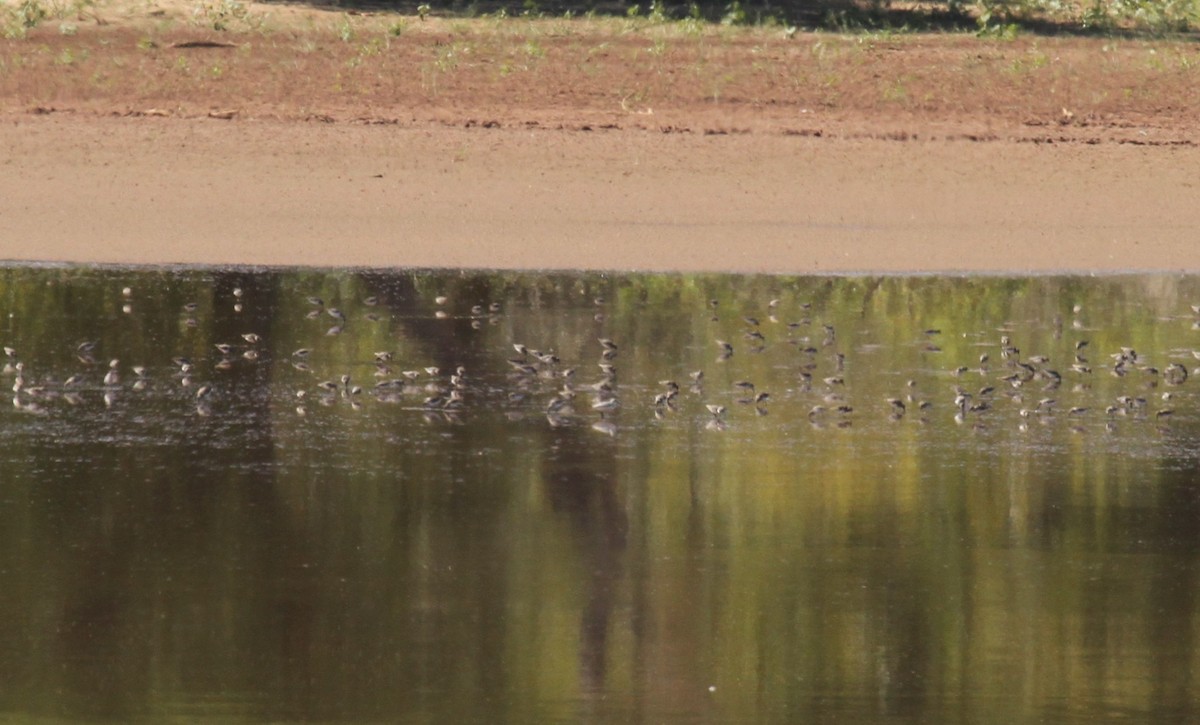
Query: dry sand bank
(201, 191)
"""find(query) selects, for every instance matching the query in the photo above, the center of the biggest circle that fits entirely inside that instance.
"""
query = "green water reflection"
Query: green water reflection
(248, 554)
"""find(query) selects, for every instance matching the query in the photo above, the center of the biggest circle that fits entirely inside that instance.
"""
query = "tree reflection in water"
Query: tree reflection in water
(381, 557)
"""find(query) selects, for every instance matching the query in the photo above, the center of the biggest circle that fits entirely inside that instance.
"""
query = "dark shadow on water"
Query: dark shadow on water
(581, 485)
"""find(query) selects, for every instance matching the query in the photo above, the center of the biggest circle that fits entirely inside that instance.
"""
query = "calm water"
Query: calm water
(239, 534)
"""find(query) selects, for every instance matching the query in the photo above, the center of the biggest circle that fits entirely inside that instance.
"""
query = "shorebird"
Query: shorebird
(606, 405)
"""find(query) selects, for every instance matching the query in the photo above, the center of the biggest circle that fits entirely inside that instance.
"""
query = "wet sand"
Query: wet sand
(157, 191)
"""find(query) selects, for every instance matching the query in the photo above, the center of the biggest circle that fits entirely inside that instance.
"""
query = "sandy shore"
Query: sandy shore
(163, 191)
(384, 141)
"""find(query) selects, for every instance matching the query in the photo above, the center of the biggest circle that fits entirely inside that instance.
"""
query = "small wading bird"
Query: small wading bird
(606, 405)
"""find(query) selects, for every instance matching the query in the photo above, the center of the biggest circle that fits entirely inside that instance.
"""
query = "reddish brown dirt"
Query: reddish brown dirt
(308, 137)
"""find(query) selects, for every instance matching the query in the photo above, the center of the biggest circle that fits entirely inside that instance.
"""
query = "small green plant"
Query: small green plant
(1030, 62)
(735, 14)
(895, 92)
(345, 30)
(396, 27)
(17, 21)
(999, 31)
(423, 10)
(374, 46)
(694, 23)
(223, 15)
(717, 84)
(635, 102)
(448, 57)
(1094, 16)
(533, 49)
(67, 56)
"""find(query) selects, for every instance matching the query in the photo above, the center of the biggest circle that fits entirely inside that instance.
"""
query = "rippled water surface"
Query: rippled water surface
(962, 500)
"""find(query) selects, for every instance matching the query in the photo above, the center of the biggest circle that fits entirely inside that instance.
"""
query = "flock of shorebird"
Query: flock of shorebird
(538, 380)
(1029, 385)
